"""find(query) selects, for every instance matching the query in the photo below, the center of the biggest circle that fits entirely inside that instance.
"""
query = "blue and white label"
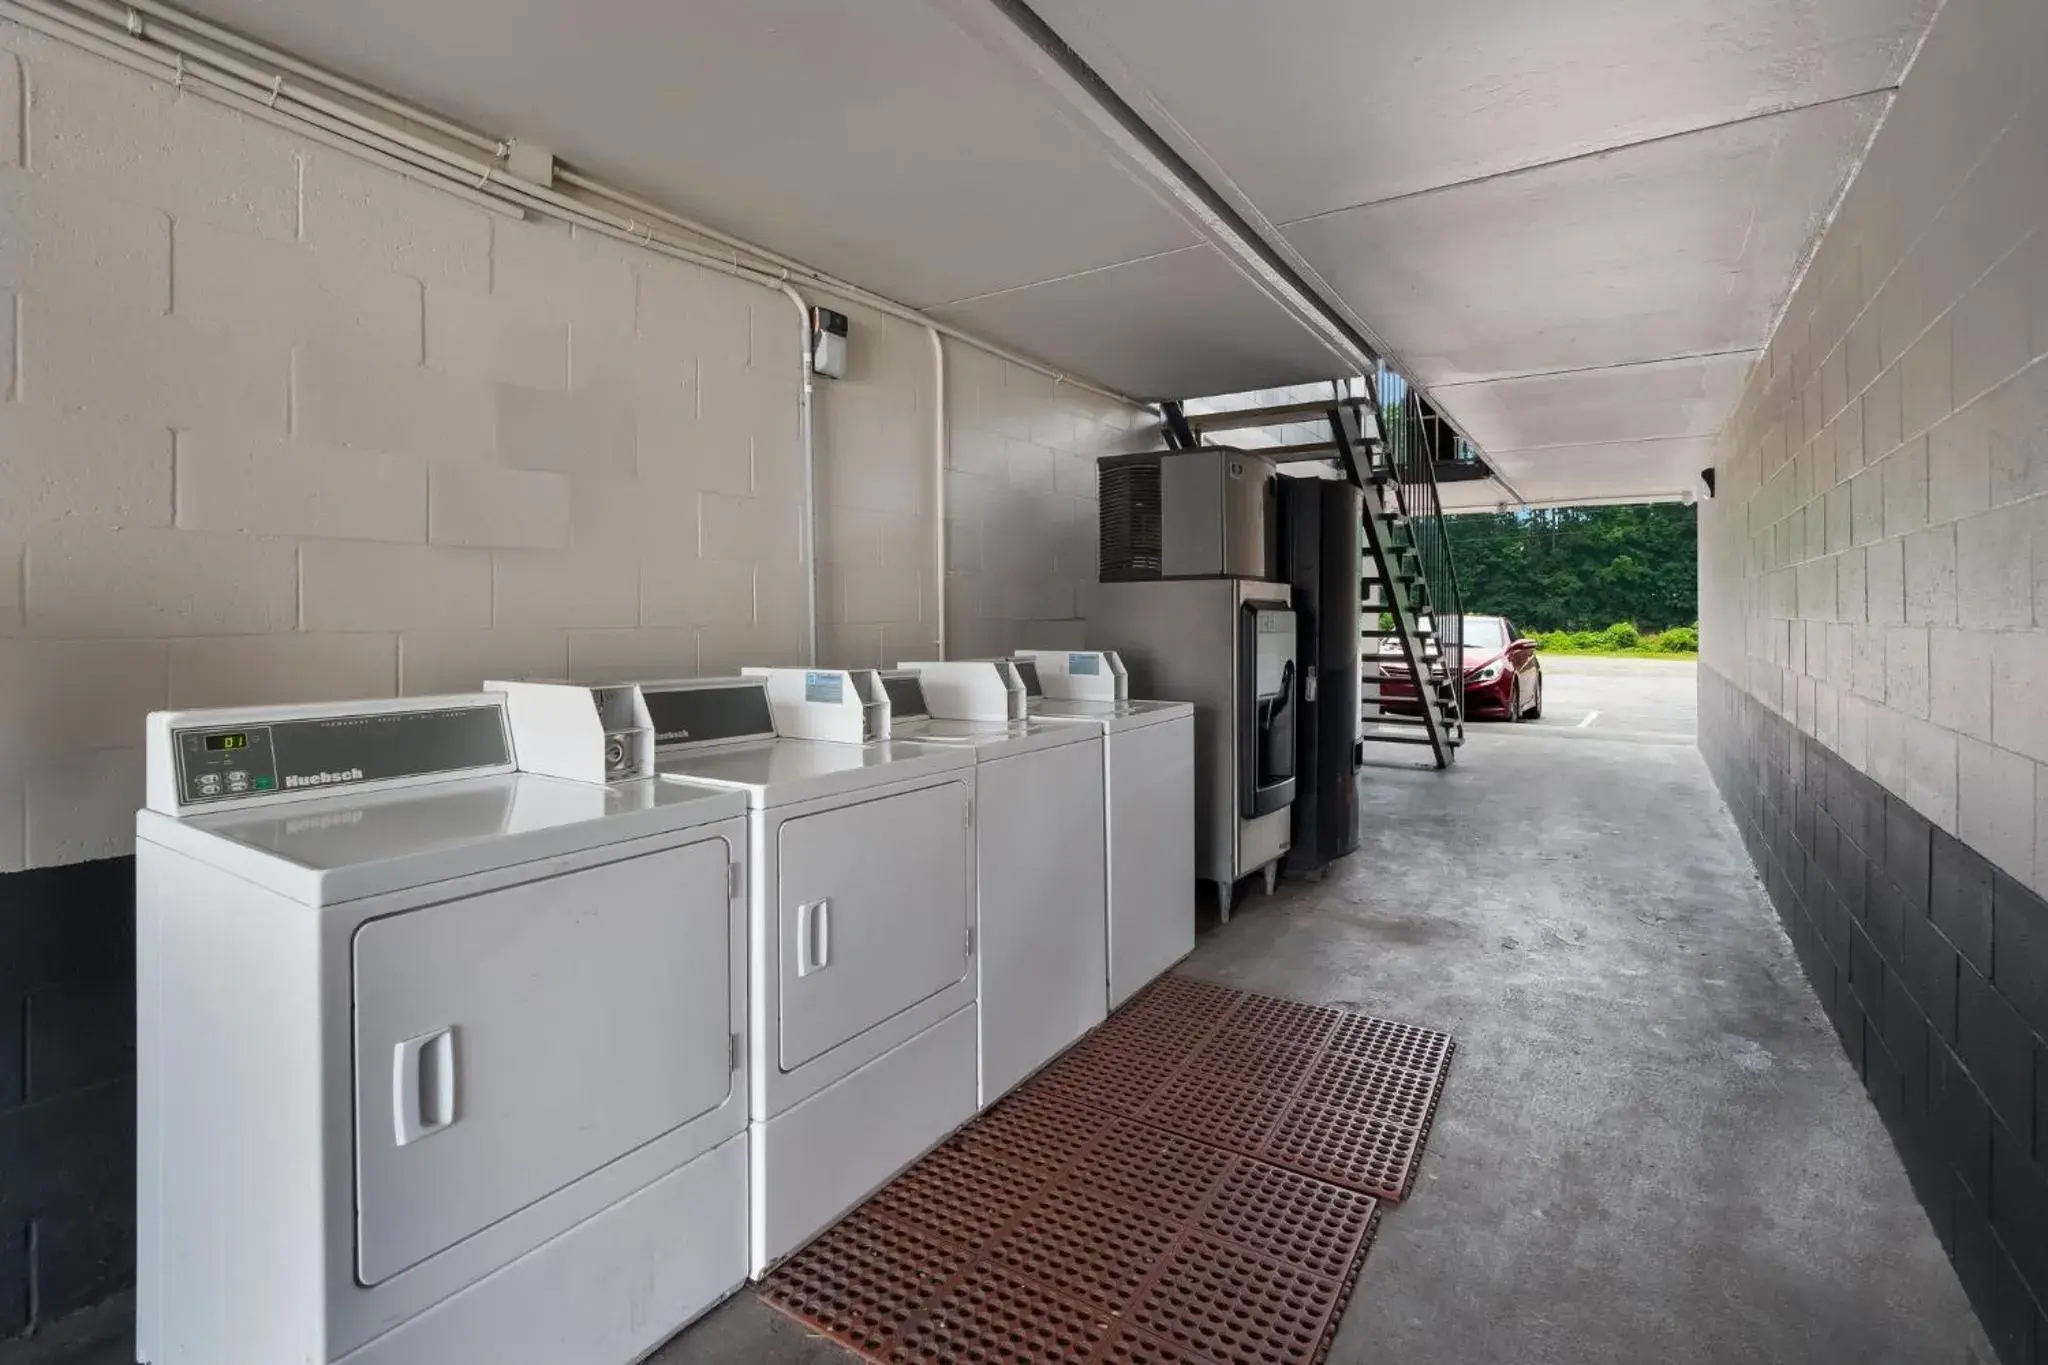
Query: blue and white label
(828, 688)
(1084, 663)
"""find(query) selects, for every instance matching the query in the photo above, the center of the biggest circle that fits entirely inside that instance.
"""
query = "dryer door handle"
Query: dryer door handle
(813, 936)
(423, 1085)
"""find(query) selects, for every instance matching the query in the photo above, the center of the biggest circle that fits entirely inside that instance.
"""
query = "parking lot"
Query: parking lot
(1638, 700)
(1644, 700)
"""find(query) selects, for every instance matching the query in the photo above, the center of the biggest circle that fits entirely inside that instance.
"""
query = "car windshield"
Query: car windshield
(1487, 633)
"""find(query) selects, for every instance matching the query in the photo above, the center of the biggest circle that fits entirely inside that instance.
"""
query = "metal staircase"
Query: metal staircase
(1408, 583)
(1400, 600)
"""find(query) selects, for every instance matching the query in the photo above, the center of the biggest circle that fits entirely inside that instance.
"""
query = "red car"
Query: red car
(1502, 674)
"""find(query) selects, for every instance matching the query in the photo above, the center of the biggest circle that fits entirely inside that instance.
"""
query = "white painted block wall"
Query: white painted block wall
(281, 426)
(1875, 564)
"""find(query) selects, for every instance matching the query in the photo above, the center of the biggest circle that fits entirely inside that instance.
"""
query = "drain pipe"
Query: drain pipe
(941, 442)
(807, 451)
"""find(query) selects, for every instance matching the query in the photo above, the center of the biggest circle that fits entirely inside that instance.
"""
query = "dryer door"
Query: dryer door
(873, 909)
(509, 1043)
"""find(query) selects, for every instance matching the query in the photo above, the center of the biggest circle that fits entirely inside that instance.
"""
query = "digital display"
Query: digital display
(221, 743)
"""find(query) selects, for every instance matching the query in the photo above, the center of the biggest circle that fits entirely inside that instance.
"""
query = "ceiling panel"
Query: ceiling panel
(1678, 247)
(878, 142)
(1171, 326)
(1591, 407)
(1313, 105)
(1560, 473)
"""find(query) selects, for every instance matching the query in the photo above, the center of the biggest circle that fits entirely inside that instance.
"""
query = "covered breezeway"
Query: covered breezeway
(1651, 1147)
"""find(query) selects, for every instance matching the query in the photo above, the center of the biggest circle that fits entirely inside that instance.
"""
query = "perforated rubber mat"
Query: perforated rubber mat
(1195, 1183)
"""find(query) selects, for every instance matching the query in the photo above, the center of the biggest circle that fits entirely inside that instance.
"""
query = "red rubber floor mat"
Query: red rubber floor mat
(1195, 1183)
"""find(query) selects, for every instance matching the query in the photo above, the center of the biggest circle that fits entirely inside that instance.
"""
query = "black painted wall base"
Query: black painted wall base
(67, 1089)
(1933, 967)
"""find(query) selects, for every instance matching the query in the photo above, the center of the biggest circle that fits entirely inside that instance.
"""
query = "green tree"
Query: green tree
(1581, 568)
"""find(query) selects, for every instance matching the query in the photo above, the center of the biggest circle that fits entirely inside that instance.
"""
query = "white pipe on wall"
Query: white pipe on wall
(270, 89)
(941, 442)
(808, 453)
(833, 285)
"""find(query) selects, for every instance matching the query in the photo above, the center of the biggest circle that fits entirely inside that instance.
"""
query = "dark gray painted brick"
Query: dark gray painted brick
(2040, 1103)
(13, 1014)
(67, 1107)
(1882, 1080)
(79, 1034)
(2019, 1206)
(1884, 916)
(1964, 1121)
(83, 1255)
(1921, 1148)
(1994, 1284)
(69, 1166)
(1998, 1048)
(1836, 926)
(14, 1294)
(2019, 955)
(1827, 845)
(57, 923)
(1905, 1036)
(1847, 1017)
(1852, 876)
(1928, 964)
(1908, 846)
(1959, 899)
(1866, 975)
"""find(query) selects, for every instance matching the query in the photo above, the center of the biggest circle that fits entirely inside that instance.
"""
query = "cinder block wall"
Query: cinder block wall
(1874, 584)
(277, 425)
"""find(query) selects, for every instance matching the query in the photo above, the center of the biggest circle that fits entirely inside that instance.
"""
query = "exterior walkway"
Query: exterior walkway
(1651, 1147)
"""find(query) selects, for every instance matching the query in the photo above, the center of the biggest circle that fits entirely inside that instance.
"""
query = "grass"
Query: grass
(1572, 653)
(1623, 641)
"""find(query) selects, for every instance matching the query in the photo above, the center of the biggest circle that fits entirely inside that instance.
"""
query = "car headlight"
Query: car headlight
(1490, 672)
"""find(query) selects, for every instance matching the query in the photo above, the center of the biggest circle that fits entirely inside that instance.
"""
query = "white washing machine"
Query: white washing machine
(1040, 868)
(1148, 770)
(440, 1060)
(860, 895)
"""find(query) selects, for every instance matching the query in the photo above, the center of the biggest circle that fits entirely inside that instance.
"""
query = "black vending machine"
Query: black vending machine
(1319, 557)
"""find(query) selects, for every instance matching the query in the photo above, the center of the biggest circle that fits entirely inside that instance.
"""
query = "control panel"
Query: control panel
(708, 713)
(215, 764)
(291, 757)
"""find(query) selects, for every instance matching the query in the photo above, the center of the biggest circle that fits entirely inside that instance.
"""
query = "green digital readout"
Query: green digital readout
(221, 743)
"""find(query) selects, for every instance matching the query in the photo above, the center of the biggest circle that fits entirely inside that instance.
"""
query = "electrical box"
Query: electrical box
(828, 343)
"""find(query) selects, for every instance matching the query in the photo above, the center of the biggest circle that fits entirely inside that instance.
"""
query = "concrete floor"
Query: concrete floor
(1651, 1147)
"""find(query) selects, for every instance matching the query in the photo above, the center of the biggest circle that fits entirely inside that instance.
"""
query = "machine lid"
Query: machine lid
(1110, 715)
(342, 848)
(987, 739)
(776, 772)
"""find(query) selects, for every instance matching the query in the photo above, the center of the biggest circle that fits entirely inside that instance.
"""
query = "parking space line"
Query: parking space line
(1591, 716)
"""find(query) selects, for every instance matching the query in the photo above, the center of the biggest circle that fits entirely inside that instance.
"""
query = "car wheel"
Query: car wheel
(1515, 703)
(1536, 706)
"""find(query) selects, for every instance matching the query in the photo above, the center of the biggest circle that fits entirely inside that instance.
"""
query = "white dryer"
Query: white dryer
(439, 1060)
(860, 895)
(1148, 770)
(1040, 866)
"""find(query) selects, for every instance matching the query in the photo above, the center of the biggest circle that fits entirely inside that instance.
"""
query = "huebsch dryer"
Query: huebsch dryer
(439, 1058)
(860, 896)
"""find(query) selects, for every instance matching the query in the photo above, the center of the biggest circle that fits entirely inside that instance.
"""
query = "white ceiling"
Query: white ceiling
(1612, 195)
